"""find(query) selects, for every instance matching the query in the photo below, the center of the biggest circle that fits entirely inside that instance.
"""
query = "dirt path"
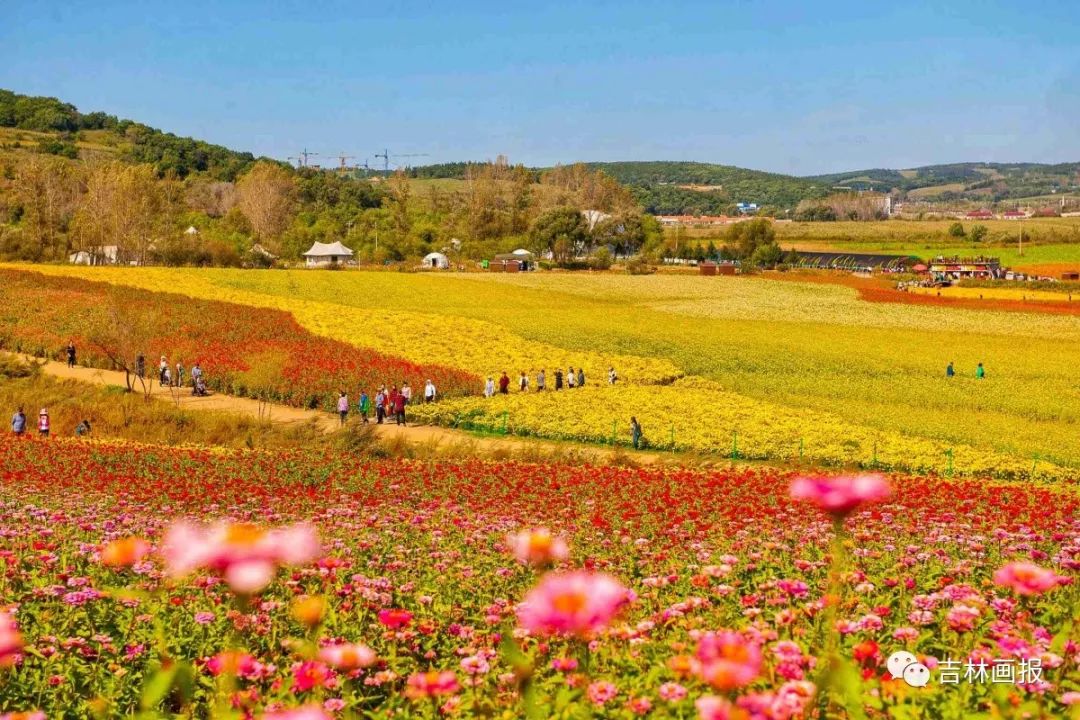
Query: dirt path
(421, 434)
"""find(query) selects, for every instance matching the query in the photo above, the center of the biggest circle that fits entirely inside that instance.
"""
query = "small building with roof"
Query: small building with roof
(325, 254)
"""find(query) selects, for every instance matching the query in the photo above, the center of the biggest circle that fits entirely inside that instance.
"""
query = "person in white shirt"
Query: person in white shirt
(429, 392)
(489, 388)
(406, 392)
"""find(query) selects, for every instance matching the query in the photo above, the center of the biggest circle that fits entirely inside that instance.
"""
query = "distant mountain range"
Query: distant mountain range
(662, 187)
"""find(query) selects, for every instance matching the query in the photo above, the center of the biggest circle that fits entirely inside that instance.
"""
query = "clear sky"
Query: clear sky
(801, 86)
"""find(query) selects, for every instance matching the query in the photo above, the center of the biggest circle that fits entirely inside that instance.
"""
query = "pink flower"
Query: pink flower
(538, 547)
(28, 715)
(576, 603)
(640, 705)
(395, 619)
(308, 675)
(672, 692)
(601, 692)
(475, 665)
(245, 555)
(307, 712)
(961, 618)
(727, 660)
(348, 656)
(431, 684)
(204, 618)
(1070, 698)
(10, 640)
(711, 707)
(1025, 578)
(840, 495)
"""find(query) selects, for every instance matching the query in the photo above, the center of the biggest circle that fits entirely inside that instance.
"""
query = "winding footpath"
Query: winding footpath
(328, 422)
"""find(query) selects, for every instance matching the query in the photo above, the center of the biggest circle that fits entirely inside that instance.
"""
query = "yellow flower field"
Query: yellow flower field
(698, 415)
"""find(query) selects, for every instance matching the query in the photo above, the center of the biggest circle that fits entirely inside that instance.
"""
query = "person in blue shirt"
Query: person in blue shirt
(949, 371)
(980, 372)
(18, 422)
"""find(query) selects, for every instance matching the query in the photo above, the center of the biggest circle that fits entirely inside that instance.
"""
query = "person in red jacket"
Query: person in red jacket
(399, 408)
(504, 383)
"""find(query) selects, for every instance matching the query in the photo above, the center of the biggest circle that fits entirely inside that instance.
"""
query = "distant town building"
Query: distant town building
(983, 214)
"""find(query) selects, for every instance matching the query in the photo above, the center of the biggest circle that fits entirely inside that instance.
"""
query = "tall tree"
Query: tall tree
(267, 196)
(124, 205)
(48, 190)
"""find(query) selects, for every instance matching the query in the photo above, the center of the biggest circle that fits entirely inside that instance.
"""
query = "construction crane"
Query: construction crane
(305, 155)
(343, 157)
(385, 155)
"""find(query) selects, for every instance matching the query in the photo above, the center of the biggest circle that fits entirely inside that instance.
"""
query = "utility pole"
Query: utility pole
(1021, 253)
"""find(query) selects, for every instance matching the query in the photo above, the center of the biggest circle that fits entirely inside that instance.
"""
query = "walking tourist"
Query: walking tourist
(504, 384)
(523, 382)
(43, 423)
(571, 379)
(635, 432)
(380, 405)
(489, 387)
(18, 422)
(611, 376)
(166, 377)
(140, 366)
(179, 374)
(558, 379)
(163, 368)
(364, 406)
(950, 371)
(980, 372)
(70, 349)
(406, 392)
(343, 405)
(541, 380)
(581, 377)
(399, 408)
(429, 392)
(196, 374)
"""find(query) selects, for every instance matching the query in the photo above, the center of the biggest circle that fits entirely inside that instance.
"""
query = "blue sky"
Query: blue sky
(801, 86)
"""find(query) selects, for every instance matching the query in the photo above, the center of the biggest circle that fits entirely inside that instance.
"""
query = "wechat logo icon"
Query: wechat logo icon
(904, 666)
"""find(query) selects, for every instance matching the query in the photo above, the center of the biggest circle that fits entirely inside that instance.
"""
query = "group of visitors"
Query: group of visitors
(44, 424)
(572, 379)
(388, 404)
(980, 371)
(168, 378)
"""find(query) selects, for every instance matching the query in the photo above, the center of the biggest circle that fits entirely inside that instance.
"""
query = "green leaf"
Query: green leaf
(157, 687)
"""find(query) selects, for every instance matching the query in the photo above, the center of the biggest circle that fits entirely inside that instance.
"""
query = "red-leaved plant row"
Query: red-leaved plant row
(40, 314)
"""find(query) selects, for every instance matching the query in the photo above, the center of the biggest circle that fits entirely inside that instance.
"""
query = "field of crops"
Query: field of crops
(775, 363)
(293, 585)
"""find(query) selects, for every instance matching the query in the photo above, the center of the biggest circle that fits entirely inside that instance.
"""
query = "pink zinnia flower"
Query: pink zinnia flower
(672, 692)
(601, 692)
(307, 712)
(538, 547)
(28, 715)
(576, 603)
(309, 674)
(1026, 579)
(348, 656)
(431, 684)
(711, 707)
(395, 619)
(842, 494)
(727, 660)
(245, 555)
(11, 641)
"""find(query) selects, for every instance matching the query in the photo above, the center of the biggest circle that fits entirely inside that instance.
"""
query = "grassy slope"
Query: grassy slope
(810, 346)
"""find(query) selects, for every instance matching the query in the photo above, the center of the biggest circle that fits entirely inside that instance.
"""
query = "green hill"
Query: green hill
(988, 182)
(67, 131)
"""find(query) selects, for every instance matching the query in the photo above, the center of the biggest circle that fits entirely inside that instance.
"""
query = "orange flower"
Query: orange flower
(124, 552)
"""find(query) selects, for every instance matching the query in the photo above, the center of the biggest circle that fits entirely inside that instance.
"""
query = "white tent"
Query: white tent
(192, 230)
(523, 253)
(322, 254)
(436, 260)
